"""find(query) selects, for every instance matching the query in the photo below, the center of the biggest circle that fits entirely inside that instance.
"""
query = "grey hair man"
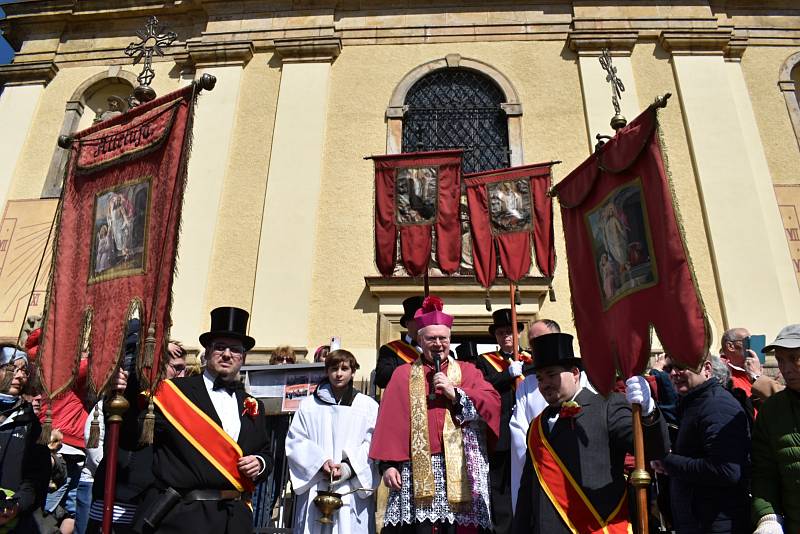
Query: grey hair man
(743, 363)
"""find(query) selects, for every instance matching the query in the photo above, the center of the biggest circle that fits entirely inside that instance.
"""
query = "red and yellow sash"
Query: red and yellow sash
(203, 433)
(567, 497)
(404, 351)
(500, 363)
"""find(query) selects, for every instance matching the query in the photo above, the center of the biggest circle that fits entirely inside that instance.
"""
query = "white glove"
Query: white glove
(637, 391)
(769, 524)
(515, 368)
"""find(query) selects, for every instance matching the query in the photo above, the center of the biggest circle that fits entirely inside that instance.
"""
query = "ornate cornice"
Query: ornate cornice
(31, 73)
(700, 42)
(216, 54)
(310, 49)
(590, 42)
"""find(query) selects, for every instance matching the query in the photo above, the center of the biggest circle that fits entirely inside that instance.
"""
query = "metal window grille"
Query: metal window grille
(458, 108)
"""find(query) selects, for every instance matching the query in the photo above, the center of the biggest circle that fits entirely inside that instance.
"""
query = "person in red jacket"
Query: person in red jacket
(69, 413)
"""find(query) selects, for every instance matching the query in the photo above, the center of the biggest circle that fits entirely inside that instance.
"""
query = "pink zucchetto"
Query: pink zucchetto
(431, 313)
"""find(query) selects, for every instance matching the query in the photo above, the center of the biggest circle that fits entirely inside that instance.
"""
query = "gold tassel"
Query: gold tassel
(47, 427)
(551, 292)
(148, 426)
(517, 296)
(94, 430)
(488, 301)
(149, 347)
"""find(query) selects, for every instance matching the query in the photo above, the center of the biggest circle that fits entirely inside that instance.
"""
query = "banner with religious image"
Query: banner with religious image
(416, 193)
(628, 266)
(116, 241)
(510, 213)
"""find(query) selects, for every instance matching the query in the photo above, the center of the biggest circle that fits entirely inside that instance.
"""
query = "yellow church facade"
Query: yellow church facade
(278, 214)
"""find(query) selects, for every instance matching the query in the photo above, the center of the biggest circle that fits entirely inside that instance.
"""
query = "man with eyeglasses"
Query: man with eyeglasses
(430, 439)
(210, 441)
(24, 464)
(709, 463)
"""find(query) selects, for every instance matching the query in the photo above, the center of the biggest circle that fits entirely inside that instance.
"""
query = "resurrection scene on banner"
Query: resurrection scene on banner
(416, 194)
(621, 243)
(120, 227)
(510, 206)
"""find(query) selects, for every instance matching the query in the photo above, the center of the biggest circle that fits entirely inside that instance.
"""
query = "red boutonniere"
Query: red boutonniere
(250, 407)
(569, 410)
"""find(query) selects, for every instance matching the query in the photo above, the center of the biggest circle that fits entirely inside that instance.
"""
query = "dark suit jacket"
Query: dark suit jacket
(504, 384)
(388, 361)
(177, 464)
(594, 453)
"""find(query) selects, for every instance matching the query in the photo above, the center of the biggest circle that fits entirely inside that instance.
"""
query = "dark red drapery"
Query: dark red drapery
(116, 240)
(628, 268)
(513, 244)
(416, 213)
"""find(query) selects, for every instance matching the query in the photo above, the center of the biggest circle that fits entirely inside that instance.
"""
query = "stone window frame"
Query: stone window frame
(791, 92)
(512, 106)
(72, 116)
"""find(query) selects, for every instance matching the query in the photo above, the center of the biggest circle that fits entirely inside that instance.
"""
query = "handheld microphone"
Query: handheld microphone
(437, 365)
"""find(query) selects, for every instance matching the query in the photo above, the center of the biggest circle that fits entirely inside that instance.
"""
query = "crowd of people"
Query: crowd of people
(506, 441)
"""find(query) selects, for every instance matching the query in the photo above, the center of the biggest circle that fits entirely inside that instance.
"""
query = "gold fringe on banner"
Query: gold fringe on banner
(93, 441)
(47, 426)
(148, 426)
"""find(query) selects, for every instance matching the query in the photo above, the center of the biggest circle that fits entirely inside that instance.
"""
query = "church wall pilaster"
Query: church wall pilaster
(755, 282)
(289, 223)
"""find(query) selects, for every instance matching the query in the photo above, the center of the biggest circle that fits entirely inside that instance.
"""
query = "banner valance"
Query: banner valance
(509, 209)
(416, 193)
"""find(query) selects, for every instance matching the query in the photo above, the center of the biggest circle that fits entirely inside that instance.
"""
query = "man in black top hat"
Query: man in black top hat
(504, 372)
(573, 477)
(210, 441)
(401, 351)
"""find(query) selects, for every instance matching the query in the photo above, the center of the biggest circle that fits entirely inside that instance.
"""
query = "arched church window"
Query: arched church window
(458, 108)
(101, 97)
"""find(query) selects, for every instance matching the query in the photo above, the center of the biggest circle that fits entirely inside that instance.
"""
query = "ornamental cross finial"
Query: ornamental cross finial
(617, 87)
(153, 39)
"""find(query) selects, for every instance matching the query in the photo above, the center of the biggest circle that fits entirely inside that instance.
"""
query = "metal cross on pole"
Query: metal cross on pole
(617, 88)
(153, 39)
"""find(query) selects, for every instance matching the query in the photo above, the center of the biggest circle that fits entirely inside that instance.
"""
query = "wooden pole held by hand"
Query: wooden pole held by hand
(640, 478)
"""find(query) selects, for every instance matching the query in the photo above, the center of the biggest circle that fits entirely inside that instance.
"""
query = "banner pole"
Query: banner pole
(116, 407)
(512, 292)
(640, 478)
(426, 284)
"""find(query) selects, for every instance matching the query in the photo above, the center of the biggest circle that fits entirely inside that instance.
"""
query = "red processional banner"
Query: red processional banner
(508, 210)
(415, 193)
(116, 241)
(628, 267)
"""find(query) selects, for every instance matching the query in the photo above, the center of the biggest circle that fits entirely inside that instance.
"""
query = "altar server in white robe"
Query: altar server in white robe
(330, 437)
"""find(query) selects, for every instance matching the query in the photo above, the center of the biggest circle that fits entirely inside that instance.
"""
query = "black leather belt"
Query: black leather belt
(213, 495)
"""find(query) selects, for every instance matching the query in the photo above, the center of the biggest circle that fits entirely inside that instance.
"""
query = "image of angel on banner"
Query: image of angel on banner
(416, 194)
(120, 216)
(621, 244)
(510, 205)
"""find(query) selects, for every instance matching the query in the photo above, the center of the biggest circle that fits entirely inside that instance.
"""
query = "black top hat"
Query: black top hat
(410, 307)
(467, 351)
(228, 321)
(502, 317)
(554, 349)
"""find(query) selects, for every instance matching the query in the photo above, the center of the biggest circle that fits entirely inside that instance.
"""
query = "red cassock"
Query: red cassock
(391, 440)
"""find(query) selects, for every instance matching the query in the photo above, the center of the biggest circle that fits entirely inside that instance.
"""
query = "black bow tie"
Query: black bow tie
(231, 386)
